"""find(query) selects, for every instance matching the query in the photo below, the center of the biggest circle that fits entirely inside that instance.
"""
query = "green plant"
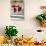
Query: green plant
(11, 31)
(41, 17)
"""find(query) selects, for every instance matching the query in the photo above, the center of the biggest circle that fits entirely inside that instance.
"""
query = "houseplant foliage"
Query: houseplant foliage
(11, 31)
(41, 17)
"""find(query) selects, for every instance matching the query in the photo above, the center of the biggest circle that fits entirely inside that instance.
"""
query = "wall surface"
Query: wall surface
(29, 25)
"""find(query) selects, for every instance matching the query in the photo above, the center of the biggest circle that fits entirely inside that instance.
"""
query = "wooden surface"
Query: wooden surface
(31, 45)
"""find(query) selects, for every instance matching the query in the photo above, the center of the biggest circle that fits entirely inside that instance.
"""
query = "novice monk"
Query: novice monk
(2, 39)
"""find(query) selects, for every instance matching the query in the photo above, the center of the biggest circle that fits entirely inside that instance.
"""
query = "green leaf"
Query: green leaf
(40, 18)
(45, 16)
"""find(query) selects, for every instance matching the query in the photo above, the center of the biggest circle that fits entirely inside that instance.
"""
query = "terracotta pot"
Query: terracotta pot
(43, 23)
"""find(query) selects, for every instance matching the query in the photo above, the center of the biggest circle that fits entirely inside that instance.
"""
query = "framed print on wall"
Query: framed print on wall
(17, 9)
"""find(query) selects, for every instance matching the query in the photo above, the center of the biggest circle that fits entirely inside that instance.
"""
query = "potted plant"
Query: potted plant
(42, 17)
(10, 31)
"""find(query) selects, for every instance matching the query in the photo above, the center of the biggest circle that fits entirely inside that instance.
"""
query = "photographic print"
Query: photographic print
(17, 9)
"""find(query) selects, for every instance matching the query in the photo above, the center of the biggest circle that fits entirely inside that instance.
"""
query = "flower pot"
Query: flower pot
(9, 41)
(13, 38)
(43, 23)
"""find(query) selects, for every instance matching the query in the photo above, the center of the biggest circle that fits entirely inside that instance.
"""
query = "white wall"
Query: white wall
(29, 24)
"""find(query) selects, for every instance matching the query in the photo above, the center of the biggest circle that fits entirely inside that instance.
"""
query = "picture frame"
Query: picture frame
(17, 9)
